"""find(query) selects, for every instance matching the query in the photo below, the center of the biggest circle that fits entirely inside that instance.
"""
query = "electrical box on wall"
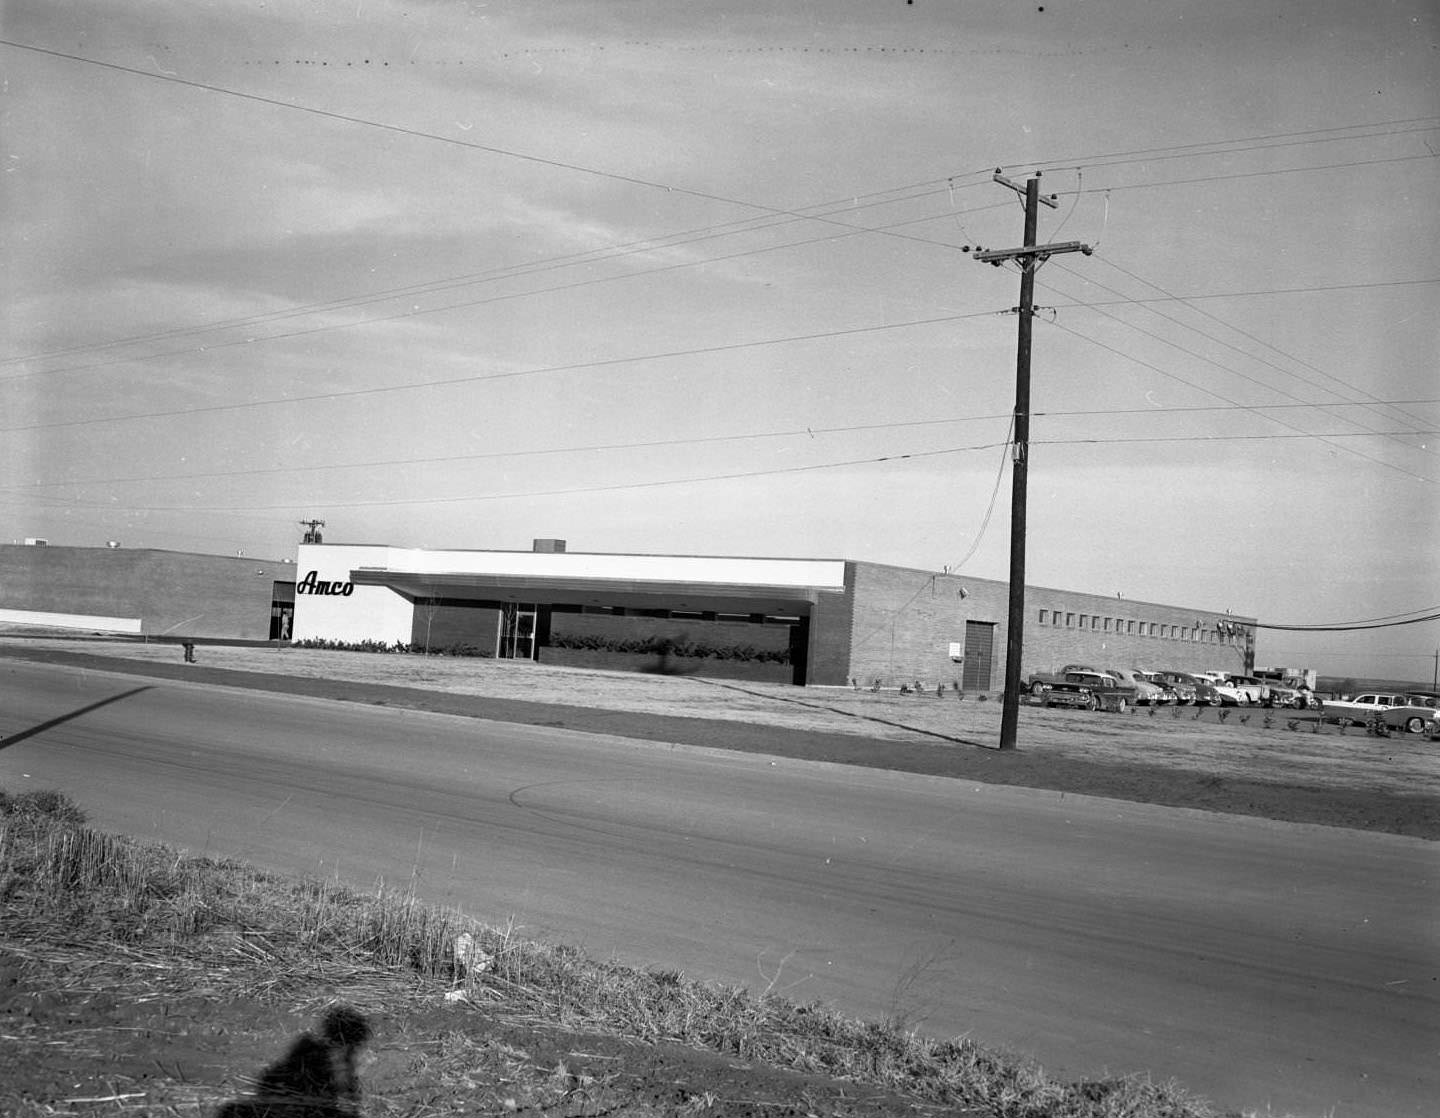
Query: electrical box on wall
(957, 652)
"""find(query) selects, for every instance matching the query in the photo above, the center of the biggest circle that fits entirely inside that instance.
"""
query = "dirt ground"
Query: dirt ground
(111, 1036)
(1283, 765)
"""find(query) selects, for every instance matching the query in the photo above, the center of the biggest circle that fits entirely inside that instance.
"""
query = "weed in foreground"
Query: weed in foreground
(268, 935)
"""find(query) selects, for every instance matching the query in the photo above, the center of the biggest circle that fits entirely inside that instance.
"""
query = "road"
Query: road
(1263, 965)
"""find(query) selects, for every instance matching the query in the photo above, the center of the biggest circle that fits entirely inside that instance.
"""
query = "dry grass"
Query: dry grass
(94, 913)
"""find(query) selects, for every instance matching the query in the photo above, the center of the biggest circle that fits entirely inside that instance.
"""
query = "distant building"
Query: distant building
(810, 621)
(804, 621)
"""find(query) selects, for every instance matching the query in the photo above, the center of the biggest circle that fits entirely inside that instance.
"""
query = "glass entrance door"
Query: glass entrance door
(517, 631)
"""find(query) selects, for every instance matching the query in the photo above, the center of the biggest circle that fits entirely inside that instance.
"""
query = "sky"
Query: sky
(698, 279)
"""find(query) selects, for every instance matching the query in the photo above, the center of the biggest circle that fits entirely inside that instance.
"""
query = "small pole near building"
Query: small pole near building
(1029, 256)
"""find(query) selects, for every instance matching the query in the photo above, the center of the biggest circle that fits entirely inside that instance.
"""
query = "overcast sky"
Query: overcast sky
(663, 277)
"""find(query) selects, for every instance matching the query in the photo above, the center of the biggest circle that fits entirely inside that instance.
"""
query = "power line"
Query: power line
(1091, 159)
(1271, 437)
(1259, 174)
(346, 118)
(1347, 628)
(571, 491)
(1164, 154)
(478, 378)
(418, 312)
(1258, 341)
(668, 482)
(1211, 392)
(702, 440)
(660, 243)
(786, 215)
(1218, 341)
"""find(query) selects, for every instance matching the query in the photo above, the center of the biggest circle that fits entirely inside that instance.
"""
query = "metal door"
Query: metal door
(979, 655)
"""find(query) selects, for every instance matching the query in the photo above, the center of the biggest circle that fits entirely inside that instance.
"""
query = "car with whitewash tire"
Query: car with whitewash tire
(1087, 691)
(1250, 689)
(1039, 682)
(1415, 714)
(1419, 715)
(1361, 708)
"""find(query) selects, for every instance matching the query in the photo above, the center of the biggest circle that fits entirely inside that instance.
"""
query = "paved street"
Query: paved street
(1262, 964)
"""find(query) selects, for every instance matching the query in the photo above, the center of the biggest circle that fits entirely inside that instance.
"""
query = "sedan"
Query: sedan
(1145, 691)
(1189, 688)
(1419, 714)
(1250, 689)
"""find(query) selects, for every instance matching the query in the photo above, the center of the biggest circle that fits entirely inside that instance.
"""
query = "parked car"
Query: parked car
(1283, 695)
(1361, 707)
(1227, 694)
(1168, 694)
(1189, 688)
(1419, 715)
(1250, 689)
(1040, 681)
(1146, 693)
(1088, 691)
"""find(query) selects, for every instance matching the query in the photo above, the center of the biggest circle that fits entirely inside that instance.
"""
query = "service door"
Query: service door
(979, 655)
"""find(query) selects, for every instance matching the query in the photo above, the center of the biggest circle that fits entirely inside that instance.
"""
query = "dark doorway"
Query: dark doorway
(282, 610)
(799, 650)
(979, 655)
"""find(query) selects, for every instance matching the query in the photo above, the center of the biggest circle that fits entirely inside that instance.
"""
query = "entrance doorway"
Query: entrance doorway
(517, 631)
(979, 655)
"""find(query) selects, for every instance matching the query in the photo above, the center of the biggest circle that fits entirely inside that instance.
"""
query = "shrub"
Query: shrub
(669, 646)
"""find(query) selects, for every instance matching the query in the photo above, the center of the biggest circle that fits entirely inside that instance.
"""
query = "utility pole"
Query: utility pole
(1029, 256)
(313, 535)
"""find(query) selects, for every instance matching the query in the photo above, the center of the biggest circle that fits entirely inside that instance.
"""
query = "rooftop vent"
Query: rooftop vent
(549, 546)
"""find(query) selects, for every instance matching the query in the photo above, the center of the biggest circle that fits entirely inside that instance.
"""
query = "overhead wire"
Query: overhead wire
(1230, 148)
(851, 231)
(667, 482)
(659, 243)
(372, 463)
(567, 491)
(1176, 151)
(1349, 387)
(1091, 159)
(1320, 405)
(1221, 396)
(513, 374)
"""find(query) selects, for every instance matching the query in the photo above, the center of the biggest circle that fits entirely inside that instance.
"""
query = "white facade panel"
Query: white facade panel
(329, 607)
(825, 574)
(69, 620)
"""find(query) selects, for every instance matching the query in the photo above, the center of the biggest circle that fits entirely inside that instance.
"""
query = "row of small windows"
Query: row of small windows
(1130, 627)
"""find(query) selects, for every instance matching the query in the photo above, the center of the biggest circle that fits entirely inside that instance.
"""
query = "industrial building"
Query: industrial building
(831, 622)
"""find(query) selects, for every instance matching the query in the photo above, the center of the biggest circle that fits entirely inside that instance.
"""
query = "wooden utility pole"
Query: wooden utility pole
(1030, 256)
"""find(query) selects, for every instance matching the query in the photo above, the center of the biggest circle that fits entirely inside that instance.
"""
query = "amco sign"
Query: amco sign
(311, 584)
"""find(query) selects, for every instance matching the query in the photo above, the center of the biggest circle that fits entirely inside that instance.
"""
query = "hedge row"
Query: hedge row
(398, 646)
(670, 646)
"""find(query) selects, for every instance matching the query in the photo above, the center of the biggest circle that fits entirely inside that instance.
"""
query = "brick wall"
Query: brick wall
(904, 620)
(830, 632)
(1125, 634)
(174, 592)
